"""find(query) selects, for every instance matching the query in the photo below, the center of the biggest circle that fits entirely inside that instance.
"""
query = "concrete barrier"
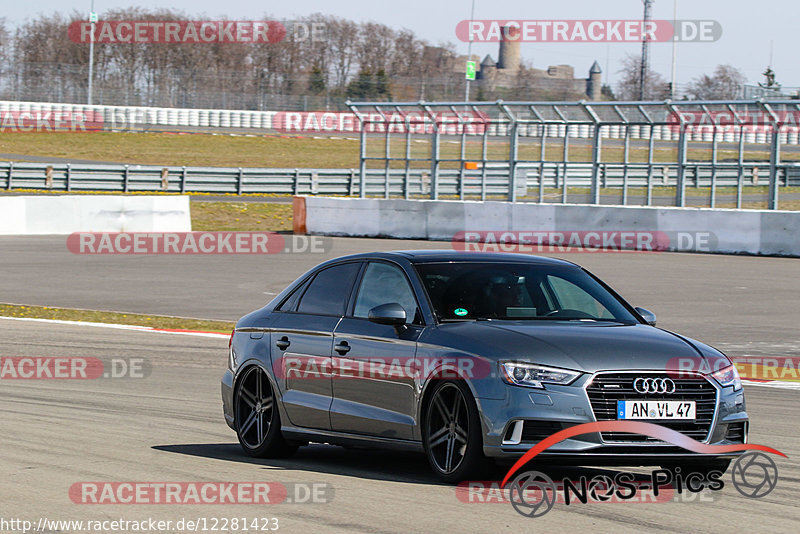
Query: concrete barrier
(676, 229)
(65, 214)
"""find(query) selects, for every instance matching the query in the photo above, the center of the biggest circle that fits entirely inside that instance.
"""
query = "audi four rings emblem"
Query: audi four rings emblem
(653, 385)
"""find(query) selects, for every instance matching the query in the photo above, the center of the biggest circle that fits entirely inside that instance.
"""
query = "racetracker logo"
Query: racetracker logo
(196, 31)
(71, 368)
(49, 121)
(301, 367)
(536, 242)
(177, 32)
(400, 122)
(195, 243)
(722, 122)
(200, 493)
(588, 31)
(755, 368)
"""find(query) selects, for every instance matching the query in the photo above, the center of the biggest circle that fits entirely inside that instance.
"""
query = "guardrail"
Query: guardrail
(533, 182)
(242, 180)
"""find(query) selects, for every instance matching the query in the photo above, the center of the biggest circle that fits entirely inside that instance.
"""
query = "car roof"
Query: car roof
(441, 256)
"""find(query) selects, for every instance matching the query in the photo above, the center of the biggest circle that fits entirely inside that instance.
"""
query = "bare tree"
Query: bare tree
(655, 87)
(724, 84)
(5, 40)
(342, 48)
(375, 48)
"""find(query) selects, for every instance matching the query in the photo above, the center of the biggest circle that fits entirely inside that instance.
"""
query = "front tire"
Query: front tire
(452, 433)
(256, 418)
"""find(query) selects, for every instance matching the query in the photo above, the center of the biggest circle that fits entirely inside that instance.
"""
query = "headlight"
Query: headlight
(728, 376)
(535, 376)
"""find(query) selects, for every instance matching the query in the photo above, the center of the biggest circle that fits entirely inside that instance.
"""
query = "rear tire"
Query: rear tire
(452, 433)
(256, 418)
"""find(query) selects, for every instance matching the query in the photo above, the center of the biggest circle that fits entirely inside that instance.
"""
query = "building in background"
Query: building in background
(559, 80)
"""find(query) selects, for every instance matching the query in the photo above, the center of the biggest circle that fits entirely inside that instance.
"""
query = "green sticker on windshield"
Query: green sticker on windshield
(460, 312)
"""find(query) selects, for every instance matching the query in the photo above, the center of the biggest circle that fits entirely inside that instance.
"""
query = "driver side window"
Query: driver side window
(384, 284)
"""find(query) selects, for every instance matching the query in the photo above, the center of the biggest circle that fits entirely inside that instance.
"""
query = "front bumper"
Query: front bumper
(525, 416)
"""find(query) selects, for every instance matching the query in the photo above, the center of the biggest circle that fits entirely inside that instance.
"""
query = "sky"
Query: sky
(748, 27)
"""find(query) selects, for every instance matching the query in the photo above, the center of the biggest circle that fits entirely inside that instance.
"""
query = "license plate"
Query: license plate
(655, 409)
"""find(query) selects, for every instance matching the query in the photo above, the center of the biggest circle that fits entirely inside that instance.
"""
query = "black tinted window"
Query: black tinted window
(328, 292)
(467, 290)
(290, 304)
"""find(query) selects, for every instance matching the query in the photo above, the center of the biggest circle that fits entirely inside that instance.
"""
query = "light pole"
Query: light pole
(469, 48)
(674, 49)
(645, 51)
(92, 21)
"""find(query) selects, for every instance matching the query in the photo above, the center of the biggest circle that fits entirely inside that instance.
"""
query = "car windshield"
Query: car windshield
(517, 291)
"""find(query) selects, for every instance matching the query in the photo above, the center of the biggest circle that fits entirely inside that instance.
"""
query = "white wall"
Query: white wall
(729, 231)
(65, 214)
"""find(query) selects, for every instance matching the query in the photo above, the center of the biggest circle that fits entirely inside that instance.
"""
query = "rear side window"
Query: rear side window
(327, 294)
(290, 304)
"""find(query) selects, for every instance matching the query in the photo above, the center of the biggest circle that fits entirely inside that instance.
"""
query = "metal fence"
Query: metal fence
(531, 181)
(733, 145)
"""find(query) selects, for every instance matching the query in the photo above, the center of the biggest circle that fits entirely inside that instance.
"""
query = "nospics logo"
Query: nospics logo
(533, 493)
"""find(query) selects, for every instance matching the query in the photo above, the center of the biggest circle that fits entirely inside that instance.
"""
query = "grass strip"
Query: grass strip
(96, 316)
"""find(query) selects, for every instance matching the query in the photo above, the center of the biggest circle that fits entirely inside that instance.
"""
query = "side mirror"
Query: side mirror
(647, 315)
(391, 314)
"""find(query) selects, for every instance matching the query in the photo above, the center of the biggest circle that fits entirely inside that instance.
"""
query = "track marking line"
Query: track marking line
(197, 333)
(772, 384)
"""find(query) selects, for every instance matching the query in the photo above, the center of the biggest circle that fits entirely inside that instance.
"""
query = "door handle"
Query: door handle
(283, 343)
(342, 348)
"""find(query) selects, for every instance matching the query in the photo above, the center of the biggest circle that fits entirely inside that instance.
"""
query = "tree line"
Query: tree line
(359, 61)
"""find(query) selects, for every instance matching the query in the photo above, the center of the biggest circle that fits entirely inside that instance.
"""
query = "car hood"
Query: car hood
(591, 347)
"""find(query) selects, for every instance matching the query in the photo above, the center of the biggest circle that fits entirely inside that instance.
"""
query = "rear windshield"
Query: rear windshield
(518, 291)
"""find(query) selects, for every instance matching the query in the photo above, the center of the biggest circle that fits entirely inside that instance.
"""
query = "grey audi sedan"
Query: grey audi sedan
(470, 357)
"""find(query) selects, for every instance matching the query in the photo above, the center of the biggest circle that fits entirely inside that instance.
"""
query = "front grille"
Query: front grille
(607, 388)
